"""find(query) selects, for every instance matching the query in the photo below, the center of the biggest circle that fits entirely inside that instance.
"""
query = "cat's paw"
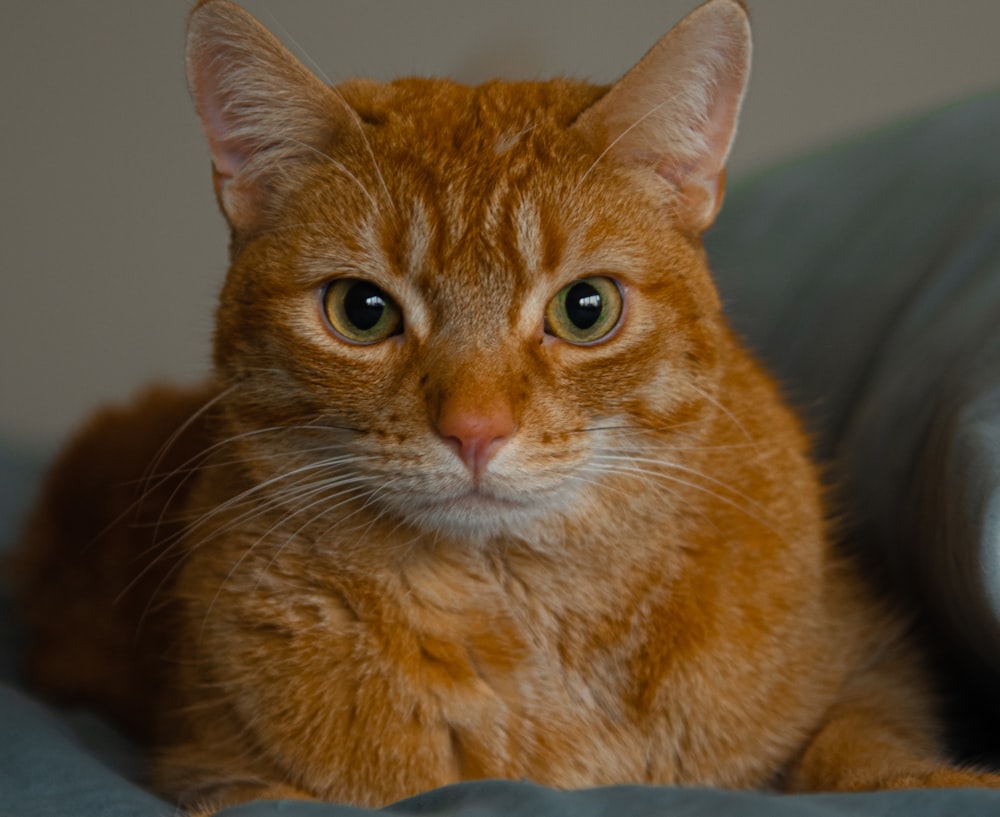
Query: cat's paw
(957, 778)
(945, 777)
(235, 795)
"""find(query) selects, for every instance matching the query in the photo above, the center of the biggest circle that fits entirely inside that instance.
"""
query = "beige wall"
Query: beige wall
(111, 248)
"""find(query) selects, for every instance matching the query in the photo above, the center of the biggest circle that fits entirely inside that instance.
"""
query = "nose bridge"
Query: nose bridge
(470, 401)
(469, 383)
(474, 306)
(471, 372)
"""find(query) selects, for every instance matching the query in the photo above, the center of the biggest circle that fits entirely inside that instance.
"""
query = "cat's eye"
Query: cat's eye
(360, 312)
(584, 311)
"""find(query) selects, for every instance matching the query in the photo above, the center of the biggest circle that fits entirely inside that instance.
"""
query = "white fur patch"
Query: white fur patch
(528, 230)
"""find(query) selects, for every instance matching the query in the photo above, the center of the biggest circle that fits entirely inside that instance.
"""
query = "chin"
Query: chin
(481, 518)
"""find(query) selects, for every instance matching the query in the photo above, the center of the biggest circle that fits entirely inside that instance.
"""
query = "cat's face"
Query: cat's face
(460, 310)
(486, 286)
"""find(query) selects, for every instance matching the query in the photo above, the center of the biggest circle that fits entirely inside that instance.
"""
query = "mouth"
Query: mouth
(475, 511)
(475, 499)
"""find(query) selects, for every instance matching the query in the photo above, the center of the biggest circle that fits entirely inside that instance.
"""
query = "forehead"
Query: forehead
(478, 169)
(441, 112)
(470, 193)
(479, 149)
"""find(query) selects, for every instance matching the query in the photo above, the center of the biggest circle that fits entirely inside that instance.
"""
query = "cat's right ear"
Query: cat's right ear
(265, 114)
(675, 112)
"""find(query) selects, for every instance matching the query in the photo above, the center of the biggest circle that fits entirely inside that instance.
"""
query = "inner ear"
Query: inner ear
(264, 113)
(675, 112)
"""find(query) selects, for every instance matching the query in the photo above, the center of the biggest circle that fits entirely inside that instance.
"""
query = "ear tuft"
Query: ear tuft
(676, 110)
(263, 112)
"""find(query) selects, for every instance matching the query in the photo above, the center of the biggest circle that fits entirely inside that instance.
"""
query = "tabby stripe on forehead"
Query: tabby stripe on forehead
(540, 242)
(528, 232)
(418, 238)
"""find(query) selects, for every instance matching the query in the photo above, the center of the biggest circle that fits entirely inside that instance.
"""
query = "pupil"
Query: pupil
(364, 305)
(583, 305)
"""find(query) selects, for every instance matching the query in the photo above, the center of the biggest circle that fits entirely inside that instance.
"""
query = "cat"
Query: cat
(482, 485)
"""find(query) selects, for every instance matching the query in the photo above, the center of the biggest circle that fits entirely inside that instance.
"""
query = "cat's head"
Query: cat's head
(471, 310)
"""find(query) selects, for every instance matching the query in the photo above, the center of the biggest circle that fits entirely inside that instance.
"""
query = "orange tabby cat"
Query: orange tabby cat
(483, 485)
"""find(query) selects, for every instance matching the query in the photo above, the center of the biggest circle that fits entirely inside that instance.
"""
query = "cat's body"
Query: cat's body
(443, 513)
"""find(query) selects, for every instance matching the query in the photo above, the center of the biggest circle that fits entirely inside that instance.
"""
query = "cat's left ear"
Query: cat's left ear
(676, 110)
(267, 118)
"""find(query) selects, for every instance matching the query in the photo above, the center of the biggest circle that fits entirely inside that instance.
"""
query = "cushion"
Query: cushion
(868, 278)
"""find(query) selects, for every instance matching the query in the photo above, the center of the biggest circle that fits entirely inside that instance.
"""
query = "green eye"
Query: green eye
(584, 311)
(360, 312)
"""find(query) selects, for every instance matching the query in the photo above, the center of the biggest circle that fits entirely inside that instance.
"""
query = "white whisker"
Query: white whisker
(621, 136)
(678, 467)
(735, 420)
(622, 464)
(318, 70)
(339, 166)
(326, 498)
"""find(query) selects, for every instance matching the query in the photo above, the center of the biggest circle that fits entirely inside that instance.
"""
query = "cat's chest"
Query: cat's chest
(452, 675)
(490, 668)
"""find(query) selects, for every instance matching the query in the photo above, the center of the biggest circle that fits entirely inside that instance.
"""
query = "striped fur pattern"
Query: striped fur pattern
(474, 547)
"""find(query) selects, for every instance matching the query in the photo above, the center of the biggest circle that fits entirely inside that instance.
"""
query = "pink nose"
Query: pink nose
(476, 433)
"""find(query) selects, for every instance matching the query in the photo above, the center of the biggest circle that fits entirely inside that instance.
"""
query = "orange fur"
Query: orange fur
(473, 548)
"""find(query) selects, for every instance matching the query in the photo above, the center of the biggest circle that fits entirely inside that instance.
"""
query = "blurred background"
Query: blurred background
(112, 250)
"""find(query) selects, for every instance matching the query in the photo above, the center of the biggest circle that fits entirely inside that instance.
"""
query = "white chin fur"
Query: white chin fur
(480, 516)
